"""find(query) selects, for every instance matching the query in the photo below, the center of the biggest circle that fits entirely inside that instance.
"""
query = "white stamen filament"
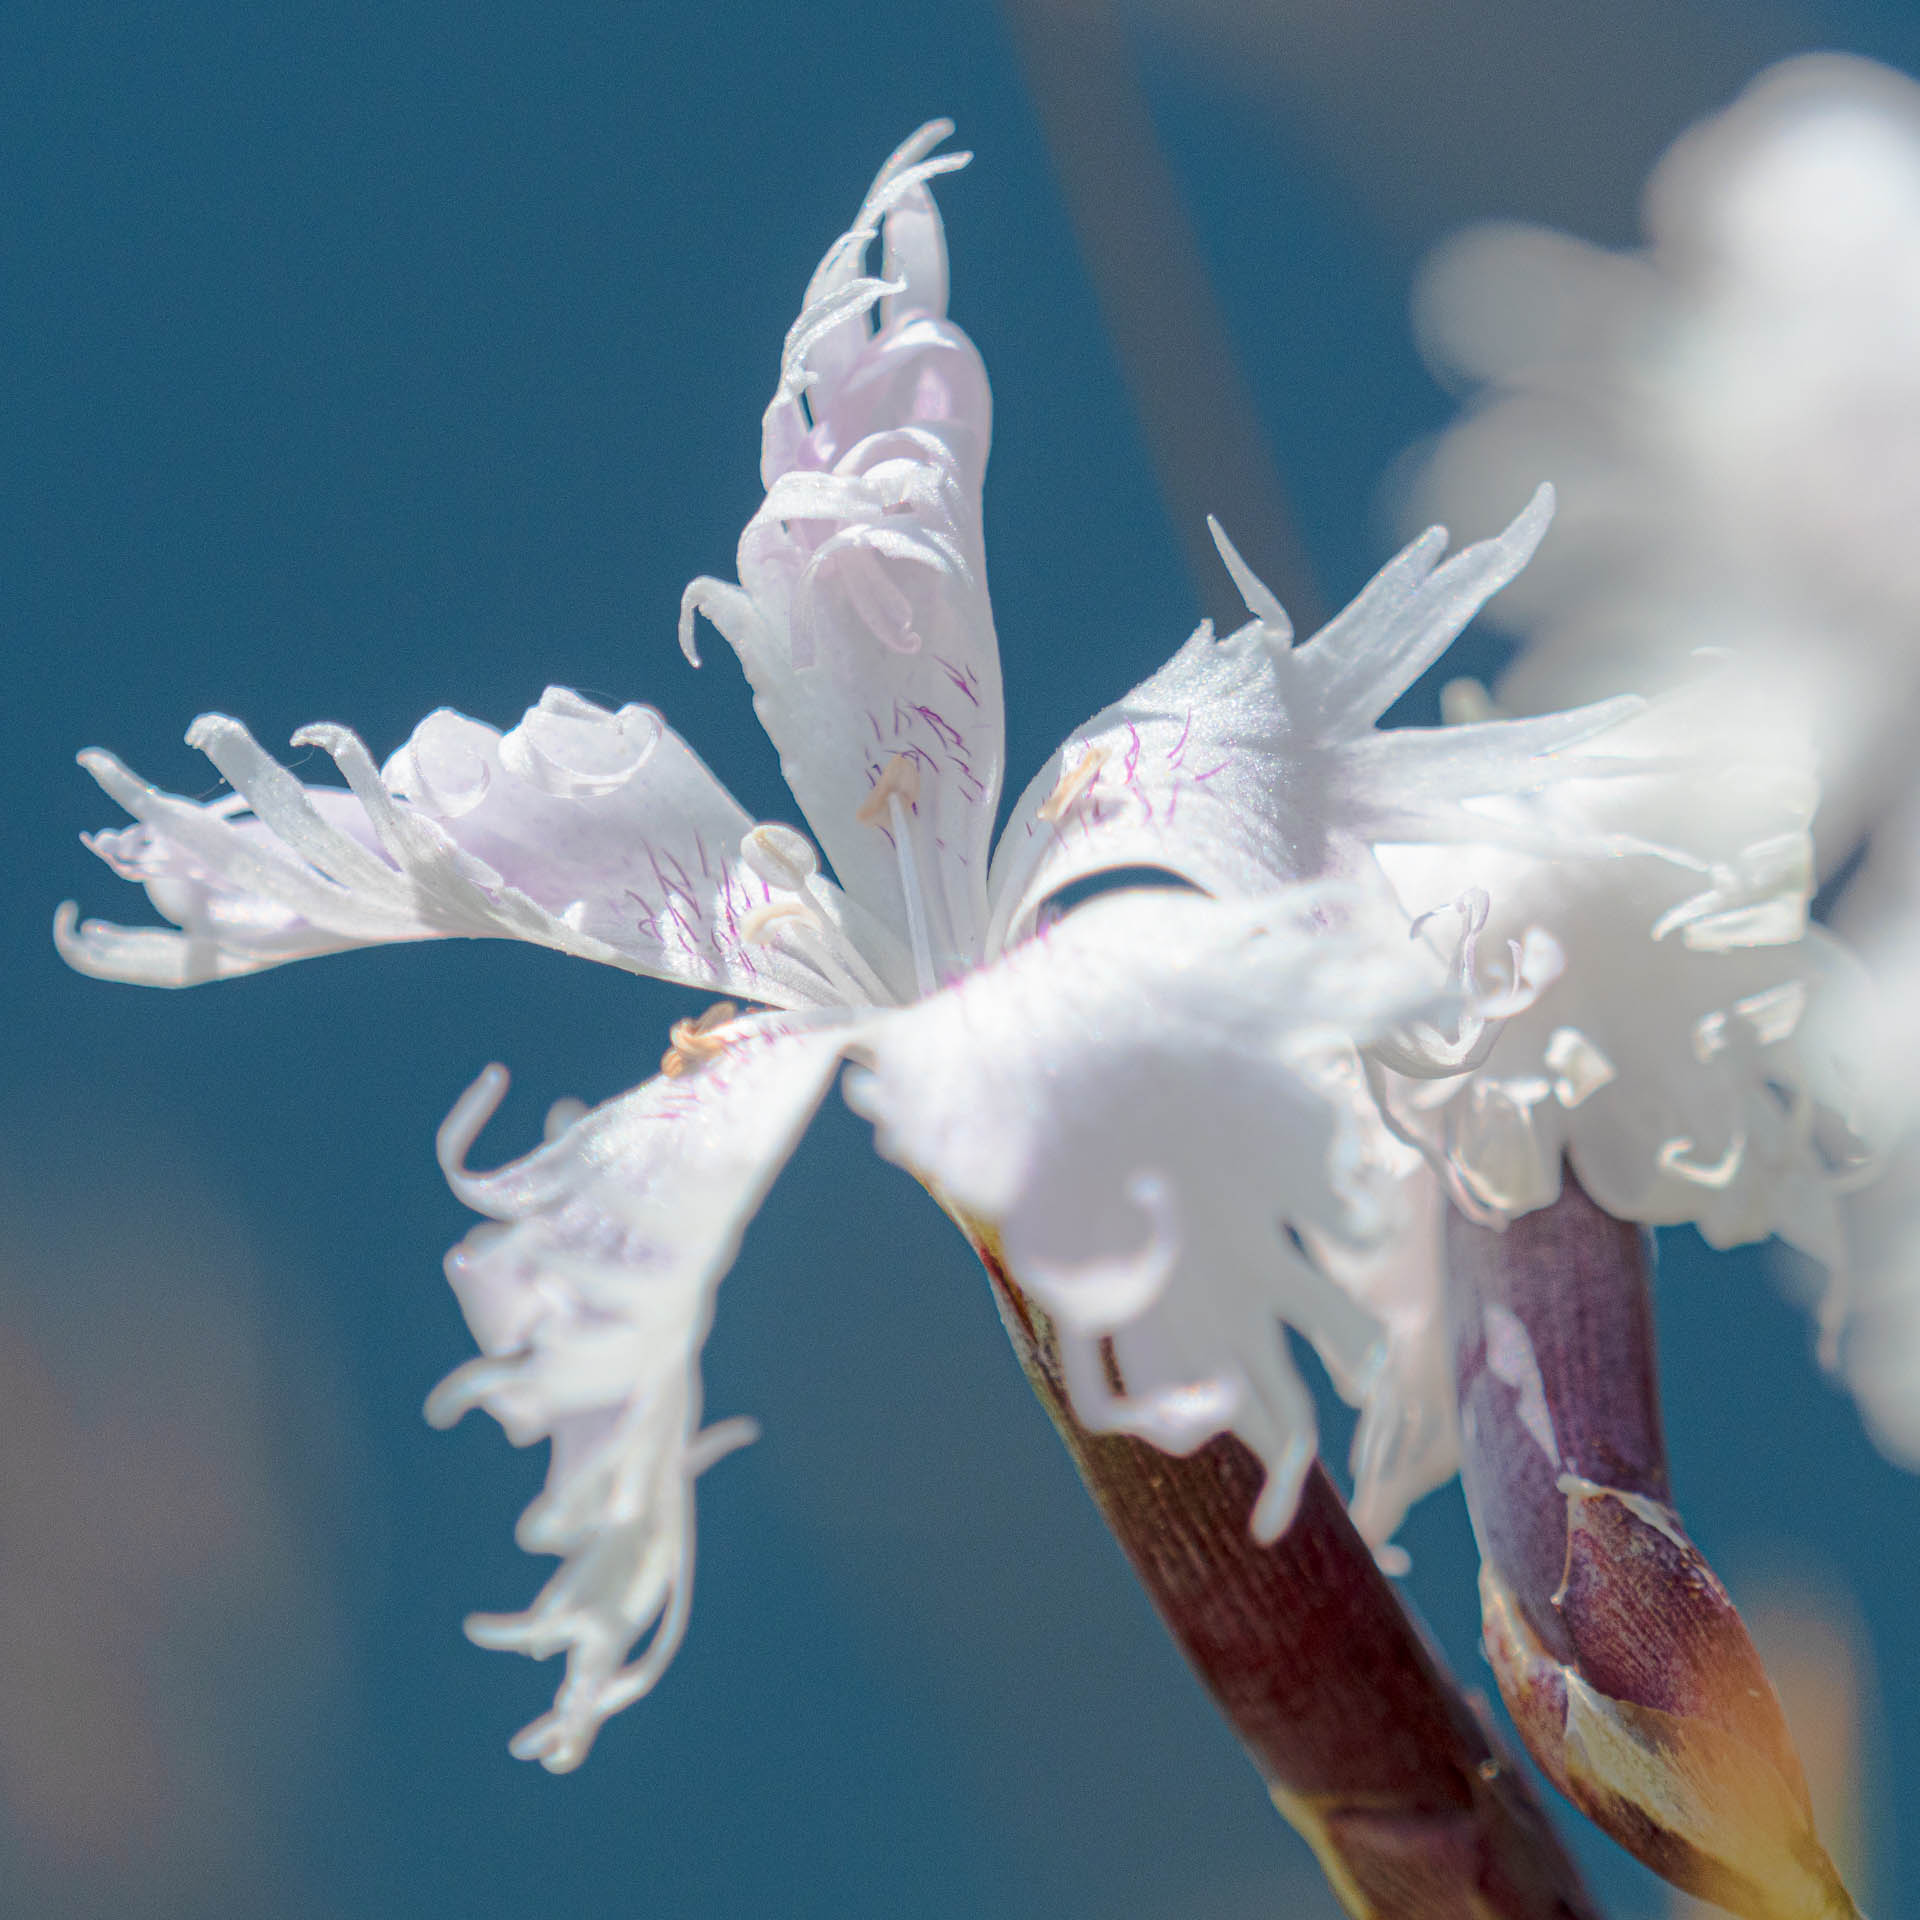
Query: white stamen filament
(910, 891)
(812, 937)
(893, 794)
(954, 915)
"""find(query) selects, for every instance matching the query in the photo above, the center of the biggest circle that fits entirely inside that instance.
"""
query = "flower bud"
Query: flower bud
(1618, 1653)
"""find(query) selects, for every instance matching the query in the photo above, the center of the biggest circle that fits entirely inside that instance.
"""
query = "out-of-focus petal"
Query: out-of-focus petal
(1246, 763)
(596, 832)
(1879, 1345)
(1156, 1107)
(1682, 1059)
(1732, 419)
(1407, 1440)
(861, 614)
(590, 1301)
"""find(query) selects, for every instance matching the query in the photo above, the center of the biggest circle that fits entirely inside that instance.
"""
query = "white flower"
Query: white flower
(1157, 1106)
(1732, 416)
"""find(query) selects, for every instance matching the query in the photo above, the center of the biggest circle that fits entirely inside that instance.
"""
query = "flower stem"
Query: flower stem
(1620, 1656)
(1365, 1743)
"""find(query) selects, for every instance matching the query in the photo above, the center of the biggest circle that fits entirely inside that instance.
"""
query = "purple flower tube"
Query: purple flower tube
(1618, 1653)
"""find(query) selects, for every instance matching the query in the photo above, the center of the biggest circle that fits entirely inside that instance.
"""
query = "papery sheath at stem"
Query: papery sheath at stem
(1618, 1652)
(1364, 1742)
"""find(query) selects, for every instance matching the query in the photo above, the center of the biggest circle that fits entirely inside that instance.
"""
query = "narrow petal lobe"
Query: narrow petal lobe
(590, 1301)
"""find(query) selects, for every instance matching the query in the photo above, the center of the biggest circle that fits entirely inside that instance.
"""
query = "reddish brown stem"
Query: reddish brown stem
(1365, 1743)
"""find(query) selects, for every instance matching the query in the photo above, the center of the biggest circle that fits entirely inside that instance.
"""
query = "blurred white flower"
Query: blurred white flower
(1732, 418)
(1880, 1343)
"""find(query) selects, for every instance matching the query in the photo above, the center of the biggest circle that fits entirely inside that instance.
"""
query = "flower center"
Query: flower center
(797, 920)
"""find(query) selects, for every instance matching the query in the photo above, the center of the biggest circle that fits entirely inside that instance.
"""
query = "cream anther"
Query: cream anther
(1467, 703)
(1072, 784)
(780, 856)
(899, 779)
(802, 930)
(695, 1042)
(757, 928)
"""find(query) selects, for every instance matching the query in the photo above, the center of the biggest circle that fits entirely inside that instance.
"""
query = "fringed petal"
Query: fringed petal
(1156, 1111)
(861, 616)
(1407, 1440)
(1682, 1059)
(590, 1301)
(595, 832)
(1246, 763)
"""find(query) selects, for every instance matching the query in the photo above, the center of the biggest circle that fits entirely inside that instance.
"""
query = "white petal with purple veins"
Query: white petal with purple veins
(590, 1302)
(598, 833)
(861, 615)
(1246, 763)
(1155, 1106)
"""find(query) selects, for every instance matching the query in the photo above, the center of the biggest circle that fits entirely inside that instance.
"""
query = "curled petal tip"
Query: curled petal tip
(207, 727)
(462, 1127)
(689, 608)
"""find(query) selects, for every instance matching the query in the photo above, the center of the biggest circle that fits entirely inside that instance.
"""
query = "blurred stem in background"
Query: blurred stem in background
(1366, 1743)
(1175, 352)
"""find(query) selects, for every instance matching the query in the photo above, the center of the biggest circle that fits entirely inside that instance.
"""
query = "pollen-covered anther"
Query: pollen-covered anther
(1072, 785)
(899, 780)
(697, 1041)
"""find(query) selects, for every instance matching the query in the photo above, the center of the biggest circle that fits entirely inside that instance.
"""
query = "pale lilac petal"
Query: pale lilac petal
(1154, 1108)
(595, 832)
(591, 1301)
(861, 614)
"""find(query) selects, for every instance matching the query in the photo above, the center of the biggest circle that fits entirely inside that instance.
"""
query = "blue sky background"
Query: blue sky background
(370, 358)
